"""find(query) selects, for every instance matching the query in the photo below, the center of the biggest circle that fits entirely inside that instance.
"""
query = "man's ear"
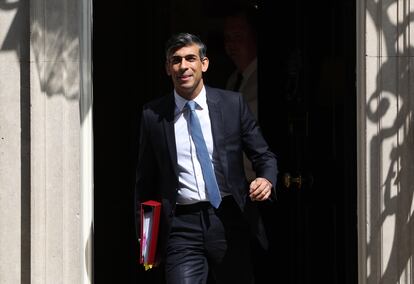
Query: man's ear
(204, 64)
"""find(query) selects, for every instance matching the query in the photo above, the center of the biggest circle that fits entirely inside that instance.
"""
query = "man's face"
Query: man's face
(186, 69)
(239, 40)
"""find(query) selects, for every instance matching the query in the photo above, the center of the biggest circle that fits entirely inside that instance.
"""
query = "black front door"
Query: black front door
(306, 108)
(307, 102)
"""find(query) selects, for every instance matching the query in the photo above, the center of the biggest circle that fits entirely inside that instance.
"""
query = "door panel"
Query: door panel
(314, 92)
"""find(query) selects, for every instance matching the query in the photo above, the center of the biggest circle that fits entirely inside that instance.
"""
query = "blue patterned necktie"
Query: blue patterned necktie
(213, 191)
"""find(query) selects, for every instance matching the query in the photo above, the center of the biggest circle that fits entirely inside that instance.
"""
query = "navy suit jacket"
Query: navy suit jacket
(234, 130)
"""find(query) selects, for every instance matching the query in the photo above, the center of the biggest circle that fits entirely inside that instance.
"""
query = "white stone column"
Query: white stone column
(46, 162)
(385, 141)
(61, 142)
(14, 144)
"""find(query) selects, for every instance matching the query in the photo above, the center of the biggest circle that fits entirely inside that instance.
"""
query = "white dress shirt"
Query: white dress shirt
(191, 186)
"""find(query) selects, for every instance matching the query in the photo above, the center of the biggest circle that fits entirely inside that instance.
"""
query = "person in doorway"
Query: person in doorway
(191, 159)
(240, 42)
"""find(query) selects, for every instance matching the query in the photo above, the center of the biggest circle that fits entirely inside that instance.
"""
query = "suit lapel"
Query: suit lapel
(170, 133)
(217, 127)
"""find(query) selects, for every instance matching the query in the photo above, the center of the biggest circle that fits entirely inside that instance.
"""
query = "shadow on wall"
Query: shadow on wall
(389, 243)
(57, 61)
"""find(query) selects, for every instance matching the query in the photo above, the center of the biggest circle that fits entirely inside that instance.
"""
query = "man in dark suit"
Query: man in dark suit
(207, 217)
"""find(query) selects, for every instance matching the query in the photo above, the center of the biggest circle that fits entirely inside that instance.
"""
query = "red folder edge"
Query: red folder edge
(156, 207)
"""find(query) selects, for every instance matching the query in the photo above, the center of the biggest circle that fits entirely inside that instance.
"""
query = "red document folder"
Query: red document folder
(150, 220)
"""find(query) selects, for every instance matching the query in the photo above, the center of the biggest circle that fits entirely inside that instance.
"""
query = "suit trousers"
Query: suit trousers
(205, 240)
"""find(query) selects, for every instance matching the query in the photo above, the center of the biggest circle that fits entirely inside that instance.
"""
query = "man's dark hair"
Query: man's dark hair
(184, 39)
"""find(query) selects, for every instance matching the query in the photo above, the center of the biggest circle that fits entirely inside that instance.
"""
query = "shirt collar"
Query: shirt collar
(201, 100)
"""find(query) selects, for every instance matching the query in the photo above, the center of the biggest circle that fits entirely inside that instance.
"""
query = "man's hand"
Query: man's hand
(260, 189)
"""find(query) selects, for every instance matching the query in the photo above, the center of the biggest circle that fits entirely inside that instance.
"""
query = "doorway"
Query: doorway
(313, 129)
(307, 112)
